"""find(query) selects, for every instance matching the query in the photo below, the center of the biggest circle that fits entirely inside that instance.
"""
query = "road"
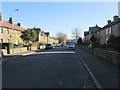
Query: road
(56, 68)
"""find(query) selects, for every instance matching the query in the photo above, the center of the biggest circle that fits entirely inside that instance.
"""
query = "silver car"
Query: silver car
(70, 46)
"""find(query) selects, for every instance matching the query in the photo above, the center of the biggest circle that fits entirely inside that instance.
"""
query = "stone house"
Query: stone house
(112, 28)
(10, 33)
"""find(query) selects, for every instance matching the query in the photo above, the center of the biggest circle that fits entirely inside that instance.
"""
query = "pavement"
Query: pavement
(9, 56)
(106, 73)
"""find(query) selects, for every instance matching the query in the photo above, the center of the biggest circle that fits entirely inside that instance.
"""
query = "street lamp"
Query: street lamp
(13, 30)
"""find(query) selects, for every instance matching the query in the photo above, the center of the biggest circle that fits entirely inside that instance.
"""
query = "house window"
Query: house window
(110, 30)
(8, 40)
(107, 39)
(7, 31)
(12, 32)
(17, 33)
(107, 31)
(1, 30)
(1, 40)
(101, 32)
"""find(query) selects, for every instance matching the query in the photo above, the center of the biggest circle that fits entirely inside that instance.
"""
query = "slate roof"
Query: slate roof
(9, 25)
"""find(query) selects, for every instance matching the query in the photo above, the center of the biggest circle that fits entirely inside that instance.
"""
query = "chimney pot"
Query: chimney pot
(1, 17)
(10, 20)
(19, 24)
(109, 21)
(115, 18)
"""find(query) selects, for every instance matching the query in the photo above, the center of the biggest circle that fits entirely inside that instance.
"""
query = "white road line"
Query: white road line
(28, 53)
(56, 52)
(98, 86)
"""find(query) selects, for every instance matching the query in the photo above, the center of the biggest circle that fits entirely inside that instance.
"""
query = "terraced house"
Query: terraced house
(9, 33)
(112, 28)
(103, 34)
(42, 38)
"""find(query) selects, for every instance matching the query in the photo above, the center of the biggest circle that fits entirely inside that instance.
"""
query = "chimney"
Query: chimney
(19, 24)
(96, 25)
(11, 20)
(1, 18)
(109, 21)
(115, 18)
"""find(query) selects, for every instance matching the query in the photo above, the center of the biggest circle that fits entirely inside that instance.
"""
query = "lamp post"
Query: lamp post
(12, 42)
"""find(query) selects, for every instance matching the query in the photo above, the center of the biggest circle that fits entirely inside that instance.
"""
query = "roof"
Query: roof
(111, 24)
(86, 33)
(9, 25)
(94, 29)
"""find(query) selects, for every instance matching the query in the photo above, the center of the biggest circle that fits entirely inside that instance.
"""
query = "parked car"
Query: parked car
(48, 46)
(70, 45)
(58, 44)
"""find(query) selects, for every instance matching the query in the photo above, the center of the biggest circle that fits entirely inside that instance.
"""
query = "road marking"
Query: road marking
(60, 83)
(28, 53)
(57, 52)
(33, 57)
(98, 86)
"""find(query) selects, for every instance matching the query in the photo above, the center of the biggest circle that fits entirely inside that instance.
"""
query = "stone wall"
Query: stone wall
(4, 51)
(17, 50)
(111, 56)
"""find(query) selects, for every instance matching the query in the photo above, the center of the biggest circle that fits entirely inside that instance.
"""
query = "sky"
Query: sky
(57, 17)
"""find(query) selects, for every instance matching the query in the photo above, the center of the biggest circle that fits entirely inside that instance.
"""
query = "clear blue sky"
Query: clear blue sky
(61, 16)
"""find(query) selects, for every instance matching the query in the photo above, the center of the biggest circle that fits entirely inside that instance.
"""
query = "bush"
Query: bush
(103, 46)
(87, 43)
(114, 43)
(41, 44)
(79, 41)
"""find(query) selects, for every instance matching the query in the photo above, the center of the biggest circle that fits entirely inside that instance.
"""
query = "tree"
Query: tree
(75, 33)
(114, 43)
(86, 42)
(29, 36)
(79, 41)
(114, 40)
(62, 37)
(93, 40)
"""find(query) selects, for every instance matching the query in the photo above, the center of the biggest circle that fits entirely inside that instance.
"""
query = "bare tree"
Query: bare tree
(62, 37)
(75, 33)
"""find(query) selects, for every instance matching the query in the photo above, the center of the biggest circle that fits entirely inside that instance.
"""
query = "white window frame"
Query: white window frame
(107, 30)
(1, 40)
(110, 30)
(1, 30)
(7, 31)
(107, 39)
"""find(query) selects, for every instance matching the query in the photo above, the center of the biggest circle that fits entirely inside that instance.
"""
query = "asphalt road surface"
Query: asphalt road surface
(56, 68)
